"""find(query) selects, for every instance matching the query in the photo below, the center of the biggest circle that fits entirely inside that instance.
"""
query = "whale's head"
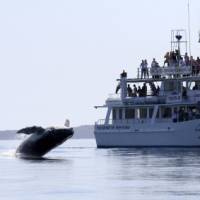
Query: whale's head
(59, 135)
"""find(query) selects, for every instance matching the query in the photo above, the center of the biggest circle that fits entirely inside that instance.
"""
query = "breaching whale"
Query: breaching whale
(40, 140)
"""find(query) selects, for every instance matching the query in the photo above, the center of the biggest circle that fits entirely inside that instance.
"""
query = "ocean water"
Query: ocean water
(78, 170)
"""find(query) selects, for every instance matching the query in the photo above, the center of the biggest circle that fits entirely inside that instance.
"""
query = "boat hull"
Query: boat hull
(182, 134)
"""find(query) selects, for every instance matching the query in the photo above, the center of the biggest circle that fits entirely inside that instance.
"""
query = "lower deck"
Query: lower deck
(122, 116)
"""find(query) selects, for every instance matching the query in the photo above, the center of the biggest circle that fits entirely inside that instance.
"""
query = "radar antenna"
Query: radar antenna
(178, 40)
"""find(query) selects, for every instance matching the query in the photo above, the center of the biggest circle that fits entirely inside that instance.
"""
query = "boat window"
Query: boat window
(150, 112)
(129, 113)
(143, 113)
(166, 112)
(120, 113)
(137, 113)
(158, 114)
(188, 113)
(114, 114)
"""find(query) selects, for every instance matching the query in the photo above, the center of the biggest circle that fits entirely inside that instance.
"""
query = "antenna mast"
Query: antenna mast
(199, 36)
(189, 29)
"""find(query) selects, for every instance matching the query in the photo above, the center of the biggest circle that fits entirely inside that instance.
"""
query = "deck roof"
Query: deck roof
(181, 79)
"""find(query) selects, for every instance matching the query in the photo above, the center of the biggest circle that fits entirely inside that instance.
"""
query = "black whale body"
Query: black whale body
(41, 140)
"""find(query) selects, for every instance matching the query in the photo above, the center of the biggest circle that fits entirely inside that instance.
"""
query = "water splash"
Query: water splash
(8, 153)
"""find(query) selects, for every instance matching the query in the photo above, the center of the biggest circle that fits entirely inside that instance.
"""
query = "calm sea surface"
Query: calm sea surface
(78, 170)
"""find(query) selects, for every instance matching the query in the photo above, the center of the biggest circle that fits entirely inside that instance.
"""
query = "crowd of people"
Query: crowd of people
(142, 91)
(144, 67)
(172, 58)
(134, 92)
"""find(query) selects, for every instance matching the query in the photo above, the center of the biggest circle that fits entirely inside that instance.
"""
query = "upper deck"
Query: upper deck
(177, 81)
(181, 73)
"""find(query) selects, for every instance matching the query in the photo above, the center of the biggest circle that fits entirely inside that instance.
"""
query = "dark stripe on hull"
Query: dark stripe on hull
(152, 146)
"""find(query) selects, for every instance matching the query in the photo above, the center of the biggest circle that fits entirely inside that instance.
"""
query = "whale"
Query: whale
(40, 141)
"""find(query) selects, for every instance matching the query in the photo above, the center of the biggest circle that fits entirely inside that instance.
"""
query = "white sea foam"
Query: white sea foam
(8, 153)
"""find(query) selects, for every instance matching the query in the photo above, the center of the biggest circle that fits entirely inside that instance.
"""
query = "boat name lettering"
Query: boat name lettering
(113, 127)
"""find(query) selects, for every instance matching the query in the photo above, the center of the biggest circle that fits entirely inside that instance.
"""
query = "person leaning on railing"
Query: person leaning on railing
(198, 65)
(193, 64)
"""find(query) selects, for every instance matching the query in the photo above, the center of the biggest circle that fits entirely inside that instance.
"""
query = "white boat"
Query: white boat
(165, 117)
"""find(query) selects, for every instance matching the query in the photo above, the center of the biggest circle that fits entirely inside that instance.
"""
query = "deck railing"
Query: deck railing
(147, 99)
(167, 71)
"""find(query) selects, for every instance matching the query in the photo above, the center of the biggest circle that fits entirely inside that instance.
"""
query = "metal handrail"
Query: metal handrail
(121, 121)
(167, 71)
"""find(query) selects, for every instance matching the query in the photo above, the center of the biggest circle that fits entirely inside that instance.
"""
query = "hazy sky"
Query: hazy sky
(60, 58)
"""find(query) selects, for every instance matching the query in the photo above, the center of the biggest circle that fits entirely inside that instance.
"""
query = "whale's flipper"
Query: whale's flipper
(32, 130)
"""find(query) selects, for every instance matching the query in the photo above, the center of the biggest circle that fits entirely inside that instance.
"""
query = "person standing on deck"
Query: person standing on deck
(154, 68)
(167, 57)
(198, 65)
(175, 116)
(146, 74)
(144, 90)
(139, 91)
(130, 92)
(142, 67)
(187, 59)
(135, 91)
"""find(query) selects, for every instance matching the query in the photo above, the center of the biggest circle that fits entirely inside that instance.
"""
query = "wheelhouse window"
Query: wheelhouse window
(129, 113)
(166, 112)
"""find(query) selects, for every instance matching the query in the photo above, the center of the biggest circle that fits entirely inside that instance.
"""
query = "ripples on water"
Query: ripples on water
(78, 170)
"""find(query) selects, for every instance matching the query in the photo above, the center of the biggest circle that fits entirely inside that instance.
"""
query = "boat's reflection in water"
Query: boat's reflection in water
(159, 171)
